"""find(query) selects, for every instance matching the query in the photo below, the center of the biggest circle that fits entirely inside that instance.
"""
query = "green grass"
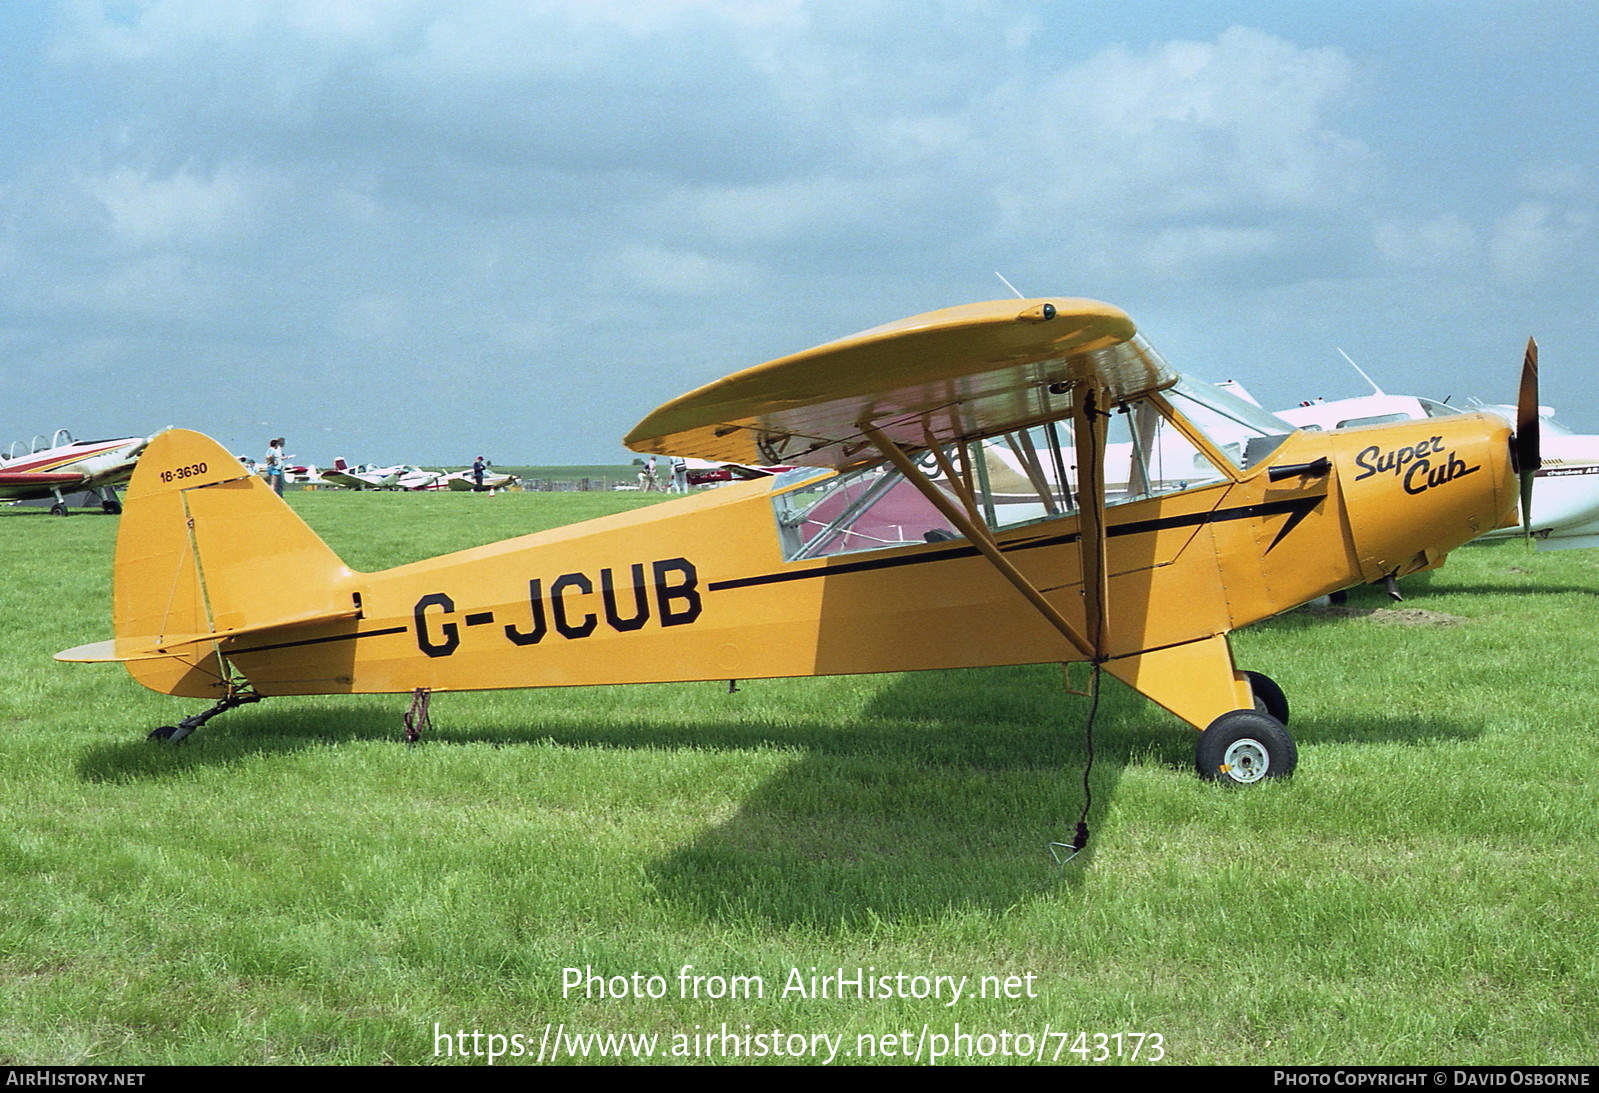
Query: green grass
(295, 885)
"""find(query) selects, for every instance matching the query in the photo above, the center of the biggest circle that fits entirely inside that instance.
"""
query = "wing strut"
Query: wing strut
(960, 483)
(982, 539)
(1088, 423)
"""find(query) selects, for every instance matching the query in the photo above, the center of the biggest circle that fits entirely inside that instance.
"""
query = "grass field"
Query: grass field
(294, 885)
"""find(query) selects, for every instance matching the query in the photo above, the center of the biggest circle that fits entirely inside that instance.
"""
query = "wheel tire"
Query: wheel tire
(112, 508)
(58, 510)
(1269, 698)
(163, 734)
(1245, 747)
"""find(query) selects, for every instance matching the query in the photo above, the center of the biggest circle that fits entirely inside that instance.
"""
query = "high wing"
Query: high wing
(958, 373)
(921, 383)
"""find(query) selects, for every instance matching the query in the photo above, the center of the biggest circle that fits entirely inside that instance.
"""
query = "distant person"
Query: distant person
(480, 467)
(274, 464)
(679, 474)
(650, 481)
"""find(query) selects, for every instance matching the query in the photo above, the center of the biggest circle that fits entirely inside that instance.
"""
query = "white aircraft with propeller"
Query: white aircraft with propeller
(1565, 511)
(63, 465)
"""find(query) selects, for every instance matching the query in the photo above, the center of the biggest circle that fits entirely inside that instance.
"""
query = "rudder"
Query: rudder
(205, 550)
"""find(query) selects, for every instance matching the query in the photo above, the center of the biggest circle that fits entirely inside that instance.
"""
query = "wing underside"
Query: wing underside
(963, 372)
(46, 479)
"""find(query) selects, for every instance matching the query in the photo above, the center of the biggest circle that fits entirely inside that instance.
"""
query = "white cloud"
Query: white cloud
(1445, 242)
(681, 273)
(180, 208)
(427, 181)
(1533, 241)
(1196, 128)
(1557, 180)
(1178, 252)
(373, 319)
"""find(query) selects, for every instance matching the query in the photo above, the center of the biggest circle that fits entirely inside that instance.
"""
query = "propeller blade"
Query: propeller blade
(1527, 442)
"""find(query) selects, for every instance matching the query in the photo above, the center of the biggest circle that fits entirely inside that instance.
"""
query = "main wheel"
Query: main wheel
(1245, 747)
(113, 508)
(1269, 698)
(58, 509)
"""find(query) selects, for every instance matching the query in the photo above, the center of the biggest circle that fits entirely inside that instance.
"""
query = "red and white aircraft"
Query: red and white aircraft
(64, 464)
(363, 477)
(705, 472)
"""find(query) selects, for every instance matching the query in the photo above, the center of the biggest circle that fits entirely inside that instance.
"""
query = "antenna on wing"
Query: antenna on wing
(1362, 372)
(1008, 285)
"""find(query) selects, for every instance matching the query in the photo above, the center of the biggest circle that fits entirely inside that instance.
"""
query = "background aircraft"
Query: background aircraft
(415, 478)
(1565, 508)
(1136, 570)
(363, 477)
(65, 465)
(707, 472)
(465, 481)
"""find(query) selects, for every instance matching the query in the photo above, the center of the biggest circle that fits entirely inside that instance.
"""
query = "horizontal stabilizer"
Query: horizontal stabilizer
(153, 648)
(103, 652)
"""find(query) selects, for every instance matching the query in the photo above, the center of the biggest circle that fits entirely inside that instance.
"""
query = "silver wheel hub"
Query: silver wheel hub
(1246, 761)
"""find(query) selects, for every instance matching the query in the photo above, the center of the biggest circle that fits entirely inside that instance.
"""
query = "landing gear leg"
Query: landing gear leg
(173, 734)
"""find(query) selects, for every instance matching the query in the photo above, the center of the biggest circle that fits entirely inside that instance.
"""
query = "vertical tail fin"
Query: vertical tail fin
(206, 551)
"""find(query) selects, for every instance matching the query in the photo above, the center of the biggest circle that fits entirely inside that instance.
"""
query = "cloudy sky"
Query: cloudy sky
(422, 229)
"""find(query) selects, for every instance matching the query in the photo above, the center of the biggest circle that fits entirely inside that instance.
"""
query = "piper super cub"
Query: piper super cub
(1011, 482)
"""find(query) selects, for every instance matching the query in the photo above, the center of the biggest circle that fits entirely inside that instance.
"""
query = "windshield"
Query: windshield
(1240, 430)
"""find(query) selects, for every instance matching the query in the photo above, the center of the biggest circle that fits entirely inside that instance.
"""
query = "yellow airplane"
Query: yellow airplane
(1009, 482)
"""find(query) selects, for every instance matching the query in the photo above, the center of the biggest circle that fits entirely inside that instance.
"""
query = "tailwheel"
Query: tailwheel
(173, 734)
(1269, 698)
(1245, 747)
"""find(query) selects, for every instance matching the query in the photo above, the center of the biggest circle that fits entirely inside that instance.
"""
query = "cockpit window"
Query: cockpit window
(1146, 456)
(1021, 477)
(865, 509)
(1374, 419)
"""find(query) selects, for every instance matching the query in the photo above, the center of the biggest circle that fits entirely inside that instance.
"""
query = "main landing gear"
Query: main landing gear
(108, 502)
(173, 734)
(1248, 746)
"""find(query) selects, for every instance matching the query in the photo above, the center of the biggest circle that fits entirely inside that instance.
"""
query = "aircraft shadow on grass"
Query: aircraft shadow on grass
(941, 794)
(1515, 590)
(1420, 588)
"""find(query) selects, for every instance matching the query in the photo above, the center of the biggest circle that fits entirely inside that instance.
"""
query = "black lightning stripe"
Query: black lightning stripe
(1297, 508)
(317, 641)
